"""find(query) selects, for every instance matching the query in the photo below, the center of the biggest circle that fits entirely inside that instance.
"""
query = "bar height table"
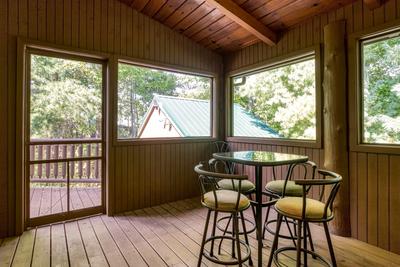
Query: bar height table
(260, 159)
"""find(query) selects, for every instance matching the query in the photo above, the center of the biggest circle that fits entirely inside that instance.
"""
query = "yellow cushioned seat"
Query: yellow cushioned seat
(293, 207)
(292, 189)
(227, 184)
(226, 200)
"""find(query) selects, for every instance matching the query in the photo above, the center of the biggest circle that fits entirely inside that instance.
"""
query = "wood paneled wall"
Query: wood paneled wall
(105, 26)
(374, 178)
(148, 175)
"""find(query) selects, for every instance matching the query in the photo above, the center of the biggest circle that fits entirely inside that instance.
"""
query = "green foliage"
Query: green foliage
(196, 87)
(136, 88)
(284, 98)
(381, 91)
(138, 85)
(65, 98)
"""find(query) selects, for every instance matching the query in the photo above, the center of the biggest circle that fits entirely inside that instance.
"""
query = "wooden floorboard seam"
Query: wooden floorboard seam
(164, 246)
(83, 243)
(225, 247)
(185, 241)
(126, 216)
(180, 250)
(116, 243)
(164, 235)
(109, 222)
(144, 248)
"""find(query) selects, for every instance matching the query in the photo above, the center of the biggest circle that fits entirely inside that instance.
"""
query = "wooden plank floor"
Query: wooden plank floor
(53, 199)
(166, 235)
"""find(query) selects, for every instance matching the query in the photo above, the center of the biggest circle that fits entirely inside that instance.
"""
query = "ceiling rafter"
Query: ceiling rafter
(246, 20)
(199, 23)
(372, 4)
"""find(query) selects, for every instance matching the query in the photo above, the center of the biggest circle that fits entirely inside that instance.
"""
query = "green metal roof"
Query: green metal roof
(191, 117)
(247, 124)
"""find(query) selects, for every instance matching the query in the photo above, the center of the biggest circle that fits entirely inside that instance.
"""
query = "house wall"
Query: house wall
(374, 177)
(143, 174)
(154, 127)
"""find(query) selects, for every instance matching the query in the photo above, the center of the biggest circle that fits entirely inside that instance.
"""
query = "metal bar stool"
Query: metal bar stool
(305, 210)
(248, 188)
(277, 189)
(223, 201)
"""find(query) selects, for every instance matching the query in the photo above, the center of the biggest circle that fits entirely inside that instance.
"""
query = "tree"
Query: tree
(65, 98)
(284, 98)
(381, 91)
(136, 89)
(196, 87)
(138, 85)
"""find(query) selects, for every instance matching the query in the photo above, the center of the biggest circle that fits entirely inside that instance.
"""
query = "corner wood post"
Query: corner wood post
(335, 120)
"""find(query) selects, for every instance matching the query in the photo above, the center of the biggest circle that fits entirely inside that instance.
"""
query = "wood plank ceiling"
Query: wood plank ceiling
(204, 22)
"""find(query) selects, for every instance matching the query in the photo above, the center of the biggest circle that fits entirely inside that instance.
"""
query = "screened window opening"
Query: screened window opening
(66, 98)
(64, 166)
(154, 103)
(276, 103)
(380, 96)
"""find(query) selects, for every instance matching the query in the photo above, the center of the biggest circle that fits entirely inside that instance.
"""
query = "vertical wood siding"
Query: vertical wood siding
(374, 178)
(105, 26)
(148, 175)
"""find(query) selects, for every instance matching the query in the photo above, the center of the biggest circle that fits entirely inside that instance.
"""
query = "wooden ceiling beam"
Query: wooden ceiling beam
(244, 19)
(372, 4)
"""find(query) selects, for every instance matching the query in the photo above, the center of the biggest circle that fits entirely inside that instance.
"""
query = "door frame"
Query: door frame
(25, 48)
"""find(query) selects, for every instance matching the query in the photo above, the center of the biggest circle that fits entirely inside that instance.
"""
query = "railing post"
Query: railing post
(80, 153)
(64, 156)
(48, 153)
(72, 151)
(56, 151)
(31, 157)
(96, 163)
(40, 157)
(88, 163)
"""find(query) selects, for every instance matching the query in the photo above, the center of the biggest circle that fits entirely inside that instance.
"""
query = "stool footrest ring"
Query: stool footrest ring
(312, 253)
(272, 232)
(225, 230)
(214, 259)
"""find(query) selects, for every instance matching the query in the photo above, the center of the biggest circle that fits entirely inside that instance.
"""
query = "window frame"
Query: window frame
(171, 68)
(298, 56)
(24, 48)
(355, 61)
(61, 54)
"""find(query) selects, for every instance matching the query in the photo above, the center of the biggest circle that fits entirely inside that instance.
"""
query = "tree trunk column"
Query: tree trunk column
(335, 119)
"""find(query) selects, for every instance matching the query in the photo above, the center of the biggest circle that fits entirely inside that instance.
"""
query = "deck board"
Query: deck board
(110, 249)
(166, 235)
(172, 242)
(147, 252)
(53, 199)
(41, 250)
(157, 244)
(76, 251)
(59, 246)
(92, 246)
(131, 255)
(7, 250)
(24, 250)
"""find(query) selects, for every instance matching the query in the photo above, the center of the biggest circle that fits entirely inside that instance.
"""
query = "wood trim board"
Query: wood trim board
(273, 63)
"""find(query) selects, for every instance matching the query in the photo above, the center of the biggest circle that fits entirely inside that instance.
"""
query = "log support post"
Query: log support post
(335, 120)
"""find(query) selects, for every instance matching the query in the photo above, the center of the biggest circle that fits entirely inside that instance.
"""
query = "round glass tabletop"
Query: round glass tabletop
(261, 158)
